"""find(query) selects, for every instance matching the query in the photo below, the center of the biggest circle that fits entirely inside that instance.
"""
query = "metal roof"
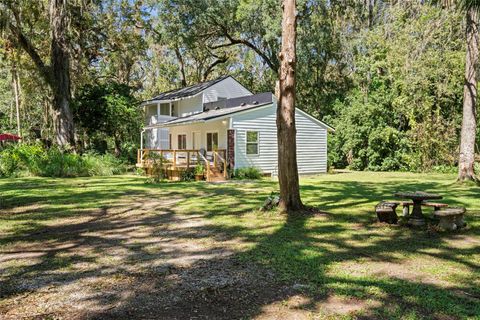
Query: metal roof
(209, 115)
(186, 91)
(259, 98)
(224, 108)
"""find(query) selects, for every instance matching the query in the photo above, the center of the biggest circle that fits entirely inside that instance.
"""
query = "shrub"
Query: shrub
(445, 169)
(251, 173)
(199, 169)
(21, 158)
(24, 159)
(188, 175)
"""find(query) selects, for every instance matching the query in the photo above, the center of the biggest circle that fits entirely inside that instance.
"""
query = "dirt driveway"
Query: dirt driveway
(137, 259)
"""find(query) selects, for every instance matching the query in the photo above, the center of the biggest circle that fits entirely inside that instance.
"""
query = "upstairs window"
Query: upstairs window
(165, 109)
(182, 141)
(252, 142)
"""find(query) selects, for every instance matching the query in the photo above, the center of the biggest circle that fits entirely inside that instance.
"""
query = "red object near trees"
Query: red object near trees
(9, 137)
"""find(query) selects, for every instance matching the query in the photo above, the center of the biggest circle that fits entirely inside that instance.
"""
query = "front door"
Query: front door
(212, 141)
(196, 140)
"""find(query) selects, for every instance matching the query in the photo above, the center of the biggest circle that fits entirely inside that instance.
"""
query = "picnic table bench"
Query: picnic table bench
(386, 209)
(450, 218)
(418, 198)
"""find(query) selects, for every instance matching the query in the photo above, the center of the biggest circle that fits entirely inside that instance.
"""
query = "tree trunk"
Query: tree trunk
(60, 78)
(286, 132)
(371, 5)
(182, 66)
(16, 91)
(467, 140)
(118, 146)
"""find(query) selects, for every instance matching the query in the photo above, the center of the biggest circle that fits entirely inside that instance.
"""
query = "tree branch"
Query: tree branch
(273, 64)
(213, 65)
(24, 42)
(182, 66)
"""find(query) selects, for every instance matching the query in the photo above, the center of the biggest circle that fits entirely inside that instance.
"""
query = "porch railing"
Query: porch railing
(175, 158)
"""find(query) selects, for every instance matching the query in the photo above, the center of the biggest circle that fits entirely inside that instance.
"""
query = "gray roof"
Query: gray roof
(222, 108)
(253, 99)
(209, 115)
(187, 91)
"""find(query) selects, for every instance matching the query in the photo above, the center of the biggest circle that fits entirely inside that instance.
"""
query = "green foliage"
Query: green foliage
(199, 169)
(110, 112)
(25, 159)
(445, 169)
(250, 173)
(157, 173)
(402, 113)
(188, 174)
(392, 85)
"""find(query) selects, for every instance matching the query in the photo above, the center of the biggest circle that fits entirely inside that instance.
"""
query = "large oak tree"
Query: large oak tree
(56, 73)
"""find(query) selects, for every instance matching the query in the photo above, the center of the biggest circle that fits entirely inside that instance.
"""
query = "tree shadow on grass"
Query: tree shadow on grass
(172, 264)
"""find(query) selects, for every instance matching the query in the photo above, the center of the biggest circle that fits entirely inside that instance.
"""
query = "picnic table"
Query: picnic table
(416, 218)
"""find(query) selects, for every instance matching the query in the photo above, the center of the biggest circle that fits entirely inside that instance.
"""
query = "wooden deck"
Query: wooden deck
(175, 162)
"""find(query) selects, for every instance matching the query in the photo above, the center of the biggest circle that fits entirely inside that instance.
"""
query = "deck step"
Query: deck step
(216, 175)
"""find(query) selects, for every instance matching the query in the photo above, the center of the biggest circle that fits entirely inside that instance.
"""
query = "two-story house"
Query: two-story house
(221, 124)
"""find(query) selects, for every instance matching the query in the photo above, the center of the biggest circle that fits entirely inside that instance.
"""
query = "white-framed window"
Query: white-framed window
(164, 109)
(182, 141)
(252, 138)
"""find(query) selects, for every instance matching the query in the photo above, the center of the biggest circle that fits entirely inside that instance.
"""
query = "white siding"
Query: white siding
(156, 138)
(219, 126)
(311, 141)
(188, 106)
(150, 114)
(227, 88)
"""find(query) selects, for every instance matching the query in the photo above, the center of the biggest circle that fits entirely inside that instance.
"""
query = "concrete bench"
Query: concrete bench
(406, 207)
(450, 218)
(436, 205)
(385, 211)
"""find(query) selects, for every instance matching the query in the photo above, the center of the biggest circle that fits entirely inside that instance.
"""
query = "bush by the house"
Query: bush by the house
(188, 174)
(35, 160)
(251, 173)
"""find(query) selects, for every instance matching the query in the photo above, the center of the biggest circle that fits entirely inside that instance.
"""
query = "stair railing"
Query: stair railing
(216, 155)
(207, 165)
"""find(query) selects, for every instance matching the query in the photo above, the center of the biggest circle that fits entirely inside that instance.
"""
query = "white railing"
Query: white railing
(158, 119)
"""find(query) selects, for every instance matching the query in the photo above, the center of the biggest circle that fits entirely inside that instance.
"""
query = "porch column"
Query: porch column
(231, 148)
(158, 112)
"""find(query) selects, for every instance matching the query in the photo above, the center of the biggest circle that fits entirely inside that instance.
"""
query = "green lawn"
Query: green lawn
(374, 270)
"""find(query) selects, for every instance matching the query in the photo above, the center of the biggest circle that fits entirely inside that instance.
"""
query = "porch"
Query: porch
(176, 161)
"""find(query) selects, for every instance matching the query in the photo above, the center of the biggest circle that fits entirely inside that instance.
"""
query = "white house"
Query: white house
(222, 124)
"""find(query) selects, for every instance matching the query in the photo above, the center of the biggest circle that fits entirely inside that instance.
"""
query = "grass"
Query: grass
(391, 271)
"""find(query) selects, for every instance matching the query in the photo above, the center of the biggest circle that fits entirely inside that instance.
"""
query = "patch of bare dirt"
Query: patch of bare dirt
(138, 259)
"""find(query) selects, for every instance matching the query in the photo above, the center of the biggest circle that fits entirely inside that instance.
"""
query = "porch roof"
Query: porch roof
(208, 115)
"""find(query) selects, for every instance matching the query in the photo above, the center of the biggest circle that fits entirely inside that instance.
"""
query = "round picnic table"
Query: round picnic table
(416, 218)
